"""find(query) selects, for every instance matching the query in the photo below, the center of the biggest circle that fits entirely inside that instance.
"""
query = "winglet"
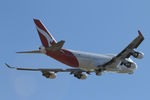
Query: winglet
(140, 33)
(8, 66)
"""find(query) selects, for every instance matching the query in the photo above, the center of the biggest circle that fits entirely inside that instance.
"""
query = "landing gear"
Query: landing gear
(99, 71)
(130, 72)
(88, 73)
(77, 76)
(80, 76)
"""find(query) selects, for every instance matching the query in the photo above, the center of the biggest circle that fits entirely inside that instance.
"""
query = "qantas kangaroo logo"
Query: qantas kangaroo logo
(46, 35)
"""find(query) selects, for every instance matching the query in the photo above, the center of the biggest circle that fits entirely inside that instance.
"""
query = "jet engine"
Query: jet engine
(129, 64)
(42, 49)
(138, 55)
(80, 76)
(50, 75)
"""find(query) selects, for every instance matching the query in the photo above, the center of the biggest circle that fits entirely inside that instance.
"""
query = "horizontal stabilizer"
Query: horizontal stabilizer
(8, 66)
(56, 47)
(37, 51)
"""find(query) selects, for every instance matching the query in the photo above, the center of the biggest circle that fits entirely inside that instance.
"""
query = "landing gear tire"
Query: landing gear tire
(99, 73)
(77, 76)
(130, 73)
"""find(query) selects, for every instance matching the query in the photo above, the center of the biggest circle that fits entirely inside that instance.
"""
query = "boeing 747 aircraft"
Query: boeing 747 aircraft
(83, 63)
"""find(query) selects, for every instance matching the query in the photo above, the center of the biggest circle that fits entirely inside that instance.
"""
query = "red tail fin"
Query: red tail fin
(46, 38)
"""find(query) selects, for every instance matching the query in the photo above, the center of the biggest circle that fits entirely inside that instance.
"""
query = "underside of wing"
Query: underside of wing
(47, 69)
(127, 52)
(51, 72)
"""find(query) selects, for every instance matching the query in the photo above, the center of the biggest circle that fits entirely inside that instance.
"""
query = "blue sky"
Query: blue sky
(99, 26)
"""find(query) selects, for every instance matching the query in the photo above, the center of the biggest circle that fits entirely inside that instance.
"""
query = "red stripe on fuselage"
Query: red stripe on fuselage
(65, 57)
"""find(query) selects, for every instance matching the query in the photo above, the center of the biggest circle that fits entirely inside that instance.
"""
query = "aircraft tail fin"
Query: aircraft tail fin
(46, 38)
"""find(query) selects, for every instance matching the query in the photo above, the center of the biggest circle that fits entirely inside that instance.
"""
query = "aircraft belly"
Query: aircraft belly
(89, 63)
(84, 62)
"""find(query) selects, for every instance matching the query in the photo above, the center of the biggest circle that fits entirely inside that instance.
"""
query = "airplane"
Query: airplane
(83, 63)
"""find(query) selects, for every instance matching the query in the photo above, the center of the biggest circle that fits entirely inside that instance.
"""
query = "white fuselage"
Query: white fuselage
(91, 62)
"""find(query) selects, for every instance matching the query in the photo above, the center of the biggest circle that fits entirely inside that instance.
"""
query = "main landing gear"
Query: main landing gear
(99, 71)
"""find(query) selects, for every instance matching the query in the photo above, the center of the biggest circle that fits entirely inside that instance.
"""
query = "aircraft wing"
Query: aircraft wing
(126, 53)
(47, 69)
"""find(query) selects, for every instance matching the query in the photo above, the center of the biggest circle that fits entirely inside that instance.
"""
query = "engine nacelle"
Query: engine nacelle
(138, 55)
(129, 64)
(42, 49)
(80, 76)
(83, 76)
(50, 75)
